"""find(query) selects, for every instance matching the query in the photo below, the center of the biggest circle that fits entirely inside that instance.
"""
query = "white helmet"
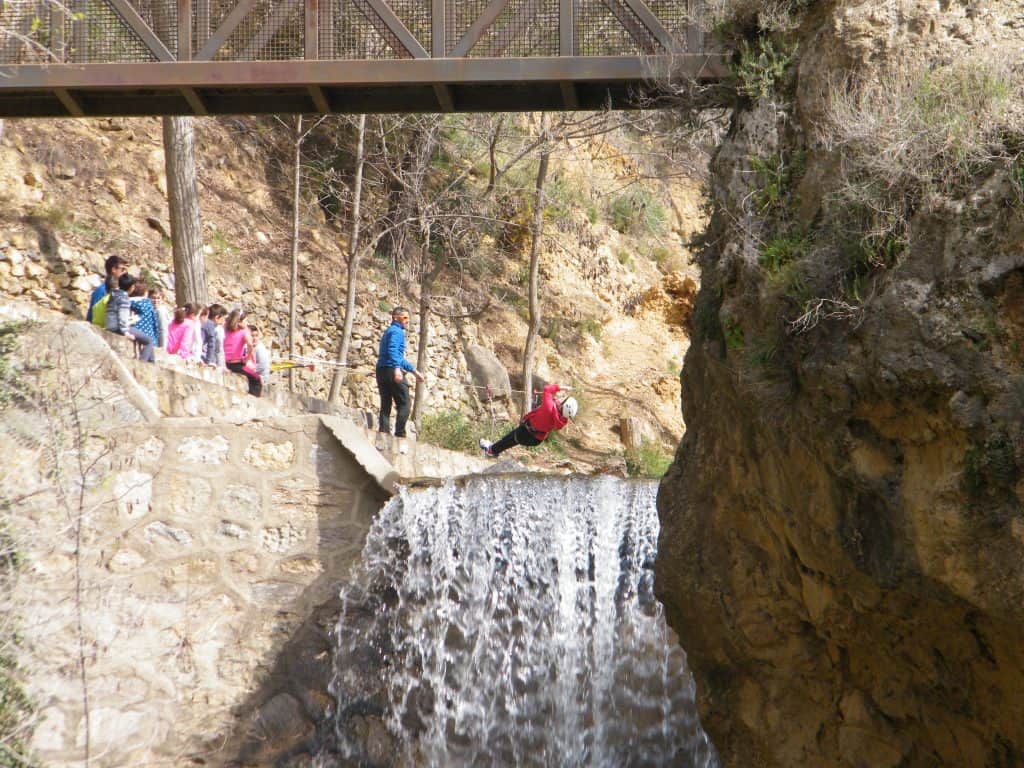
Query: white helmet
(570, 407)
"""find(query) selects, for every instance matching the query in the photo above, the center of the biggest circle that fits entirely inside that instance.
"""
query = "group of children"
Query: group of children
(209, 335)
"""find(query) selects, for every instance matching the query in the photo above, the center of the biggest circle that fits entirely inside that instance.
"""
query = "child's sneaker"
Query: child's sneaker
(485, 446)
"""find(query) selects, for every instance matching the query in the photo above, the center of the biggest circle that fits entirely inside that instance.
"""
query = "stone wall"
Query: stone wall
(179, 572)
(37, 267)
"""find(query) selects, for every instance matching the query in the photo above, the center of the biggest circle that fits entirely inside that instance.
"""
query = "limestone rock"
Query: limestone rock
(118, 188)
(272, 456)
(838, 549)
(489, 375)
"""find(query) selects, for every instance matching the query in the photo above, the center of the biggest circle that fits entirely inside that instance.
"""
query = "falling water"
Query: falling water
(510, 620)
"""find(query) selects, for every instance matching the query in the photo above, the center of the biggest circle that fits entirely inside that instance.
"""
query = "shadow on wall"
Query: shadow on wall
(289, 716)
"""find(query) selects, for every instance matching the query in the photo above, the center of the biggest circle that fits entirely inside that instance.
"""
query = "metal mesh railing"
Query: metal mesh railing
(97, 33)
(523, 28)
(352, 33)
(93, 31)
(25, 32)
(272, 31)
(162, 18)
(600, 30)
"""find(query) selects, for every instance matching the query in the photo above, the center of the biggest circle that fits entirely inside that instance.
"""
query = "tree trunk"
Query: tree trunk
(427, 278)
(538, 234)
(293, 281)
(183, 202)
(492, 151)
(353, 265)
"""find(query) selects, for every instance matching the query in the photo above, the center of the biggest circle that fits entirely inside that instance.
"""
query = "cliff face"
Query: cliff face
(842, 545)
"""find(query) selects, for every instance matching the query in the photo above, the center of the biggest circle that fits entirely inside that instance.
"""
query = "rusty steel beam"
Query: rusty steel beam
(624, 15)
(478, 28)
(70, 104)
(184, 30)
(445, 99)
(517, 25)
(316, 93)
(195, 101)
(311, 33)
(383, 72)
(567, 27)
(218, 38)
(259, 41)
(438, 29)
(393, 28)
(654, 25)
(138, 25)
(569, 95)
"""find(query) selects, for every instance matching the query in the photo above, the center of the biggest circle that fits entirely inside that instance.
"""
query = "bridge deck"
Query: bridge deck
(152, 57)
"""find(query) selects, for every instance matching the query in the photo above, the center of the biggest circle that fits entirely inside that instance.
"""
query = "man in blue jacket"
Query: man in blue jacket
(391, 368)
(115, 266)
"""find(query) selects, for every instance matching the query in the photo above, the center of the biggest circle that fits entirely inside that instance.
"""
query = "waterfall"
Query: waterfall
(510, 620)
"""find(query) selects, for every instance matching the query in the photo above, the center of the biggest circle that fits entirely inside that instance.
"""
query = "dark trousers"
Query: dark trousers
(396, 392)
(255, 383)
(145, 344)
(521, 435)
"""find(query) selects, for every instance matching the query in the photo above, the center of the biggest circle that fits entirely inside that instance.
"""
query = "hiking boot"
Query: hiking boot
(485, 446)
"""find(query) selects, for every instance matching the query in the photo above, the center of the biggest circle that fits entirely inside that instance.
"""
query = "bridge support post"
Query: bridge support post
(312, 34)
(438, 29)
(184, 30)
(567, 27)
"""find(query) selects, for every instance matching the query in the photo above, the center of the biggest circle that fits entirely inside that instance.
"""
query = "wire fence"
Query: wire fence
(93, 31)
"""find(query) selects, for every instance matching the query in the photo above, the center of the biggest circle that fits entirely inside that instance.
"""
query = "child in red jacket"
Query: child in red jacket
(549, 416)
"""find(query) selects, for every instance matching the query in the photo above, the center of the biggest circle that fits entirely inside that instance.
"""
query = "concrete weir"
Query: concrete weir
(180, 571)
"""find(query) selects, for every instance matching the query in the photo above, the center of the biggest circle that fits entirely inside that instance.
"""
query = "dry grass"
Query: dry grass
(917, 130)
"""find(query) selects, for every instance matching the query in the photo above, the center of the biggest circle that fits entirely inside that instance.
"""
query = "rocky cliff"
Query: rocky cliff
(842, 545)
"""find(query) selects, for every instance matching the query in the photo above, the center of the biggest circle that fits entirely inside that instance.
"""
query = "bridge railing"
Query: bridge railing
(112, 31)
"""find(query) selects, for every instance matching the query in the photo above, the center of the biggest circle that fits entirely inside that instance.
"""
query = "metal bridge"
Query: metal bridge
(61, 58)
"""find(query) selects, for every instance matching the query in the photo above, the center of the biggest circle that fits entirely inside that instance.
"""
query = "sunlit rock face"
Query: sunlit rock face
(842, 541)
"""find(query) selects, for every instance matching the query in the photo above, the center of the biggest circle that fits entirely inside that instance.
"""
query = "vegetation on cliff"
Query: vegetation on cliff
(841, 546)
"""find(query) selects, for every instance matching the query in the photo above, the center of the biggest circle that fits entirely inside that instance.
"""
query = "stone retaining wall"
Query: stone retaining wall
(180, 572)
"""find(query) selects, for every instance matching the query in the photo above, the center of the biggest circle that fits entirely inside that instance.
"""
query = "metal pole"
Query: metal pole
(184, 30)
(312, 50)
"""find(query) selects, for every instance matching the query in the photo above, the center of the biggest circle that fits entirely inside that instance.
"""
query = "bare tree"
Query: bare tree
(354, 257)
(183, 202)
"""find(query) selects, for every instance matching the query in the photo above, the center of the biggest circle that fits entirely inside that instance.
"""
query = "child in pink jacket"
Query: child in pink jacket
(181, 330)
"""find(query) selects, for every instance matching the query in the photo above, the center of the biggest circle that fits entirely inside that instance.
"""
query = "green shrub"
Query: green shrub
(733, 334)
(776, 179)
(453, 430)
(625, 259)
(638, 212)
(12, 387)
(55, 216)
(1017, 177)
(663, 256)
(760, 66)
(649, 460)
(449, 429)
(15, 706)
(782, 250)
(590, 326)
